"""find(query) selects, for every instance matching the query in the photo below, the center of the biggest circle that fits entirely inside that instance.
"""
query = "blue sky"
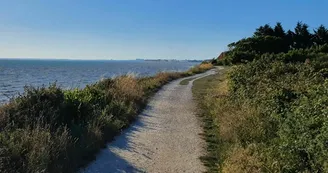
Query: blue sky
(129, 29)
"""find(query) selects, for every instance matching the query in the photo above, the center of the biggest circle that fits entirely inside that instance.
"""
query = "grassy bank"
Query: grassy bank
(49, 129)
(208, 91)
(270, 118)
(227, 125)
(268, 113)
(280, 117)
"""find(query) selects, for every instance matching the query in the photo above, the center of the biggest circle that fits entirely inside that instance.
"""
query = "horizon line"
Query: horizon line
(83, 59)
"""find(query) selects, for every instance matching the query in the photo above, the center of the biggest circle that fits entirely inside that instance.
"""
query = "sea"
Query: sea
(15, 74)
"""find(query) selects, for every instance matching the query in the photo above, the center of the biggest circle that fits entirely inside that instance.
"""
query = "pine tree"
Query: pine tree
(320, 35)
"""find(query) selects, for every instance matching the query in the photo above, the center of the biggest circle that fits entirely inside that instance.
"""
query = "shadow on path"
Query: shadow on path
(108, 161)
(164, 137)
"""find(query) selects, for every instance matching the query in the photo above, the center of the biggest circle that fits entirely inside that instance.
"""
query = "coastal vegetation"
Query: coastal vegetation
(49, 129)
(207, 90)
(268, 111)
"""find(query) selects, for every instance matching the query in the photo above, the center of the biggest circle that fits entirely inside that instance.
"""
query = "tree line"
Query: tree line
(268, 39)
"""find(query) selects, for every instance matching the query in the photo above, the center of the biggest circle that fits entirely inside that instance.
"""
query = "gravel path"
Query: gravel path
(164, 139)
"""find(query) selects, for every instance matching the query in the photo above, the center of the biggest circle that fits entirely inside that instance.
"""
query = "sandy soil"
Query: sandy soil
(164, 139)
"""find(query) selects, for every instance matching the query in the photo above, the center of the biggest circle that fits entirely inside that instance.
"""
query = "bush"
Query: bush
(274, 118)
(293, 124)
(278, 109)
(29, 109)
(48, 129)
(34, 150)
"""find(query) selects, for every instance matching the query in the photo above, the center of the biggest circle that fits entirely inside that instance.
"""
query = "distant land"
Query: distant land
(139, 59)
(109, 59)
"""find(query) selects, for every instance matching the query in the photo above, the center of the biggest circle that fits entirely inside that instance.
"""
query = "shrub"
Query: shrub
(293, 123)
(278, 107)
(34, 150)
(29, 109)
(48, 129)
(274, 118)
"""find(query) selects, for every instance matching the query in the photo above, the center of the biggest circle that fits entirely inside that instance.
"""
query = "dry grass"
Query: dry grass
(205, 66)
(237, 123)
(222, 88)
(126, 87)
(205, 92)
(229, 126)
(200, 68)
(242, 160)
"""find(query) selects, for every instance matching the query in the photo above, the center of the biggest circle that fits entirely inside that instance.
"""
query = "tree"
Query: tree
(320, 35)
(289, 39)
(279, 30)
(302, 38)
(265, 30)
(276, 40)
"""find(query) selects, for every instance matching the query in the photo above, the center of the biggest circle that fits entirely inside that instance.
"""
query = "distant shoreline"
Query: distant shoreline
(55, 59)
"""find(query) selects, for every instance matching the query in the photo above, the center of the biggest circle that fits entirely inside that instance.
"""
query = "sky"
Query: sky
(130, 29)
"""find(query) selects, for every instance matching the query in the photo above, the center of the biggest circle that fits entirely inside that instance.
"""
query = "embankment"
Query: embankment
(49, 129)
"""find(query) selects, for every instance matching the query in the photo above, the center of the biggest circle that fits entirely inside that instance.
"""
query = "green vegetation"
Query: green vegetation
(186, 81)
(49, 129)
(201, 90)
(275, 40)
(269, 112)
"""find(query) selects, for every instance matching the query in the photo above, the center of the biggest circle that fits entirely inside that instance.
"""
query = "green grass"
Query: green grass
(201, 89)
(186, 81)
(200, 86)
(203, 85)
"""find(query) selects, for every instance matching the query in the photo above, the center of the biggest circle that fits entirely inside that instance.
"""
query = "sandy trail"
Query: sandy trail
(164, 139)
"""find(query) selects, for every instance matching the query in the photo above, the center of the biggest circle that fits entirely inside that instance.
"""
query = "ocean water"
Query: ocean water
(15, 74)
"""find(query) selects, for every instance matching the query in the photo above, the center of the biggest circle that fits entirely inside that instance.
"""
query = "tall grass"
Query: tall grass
(270, 115)
(48, 129)
(274, 116)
